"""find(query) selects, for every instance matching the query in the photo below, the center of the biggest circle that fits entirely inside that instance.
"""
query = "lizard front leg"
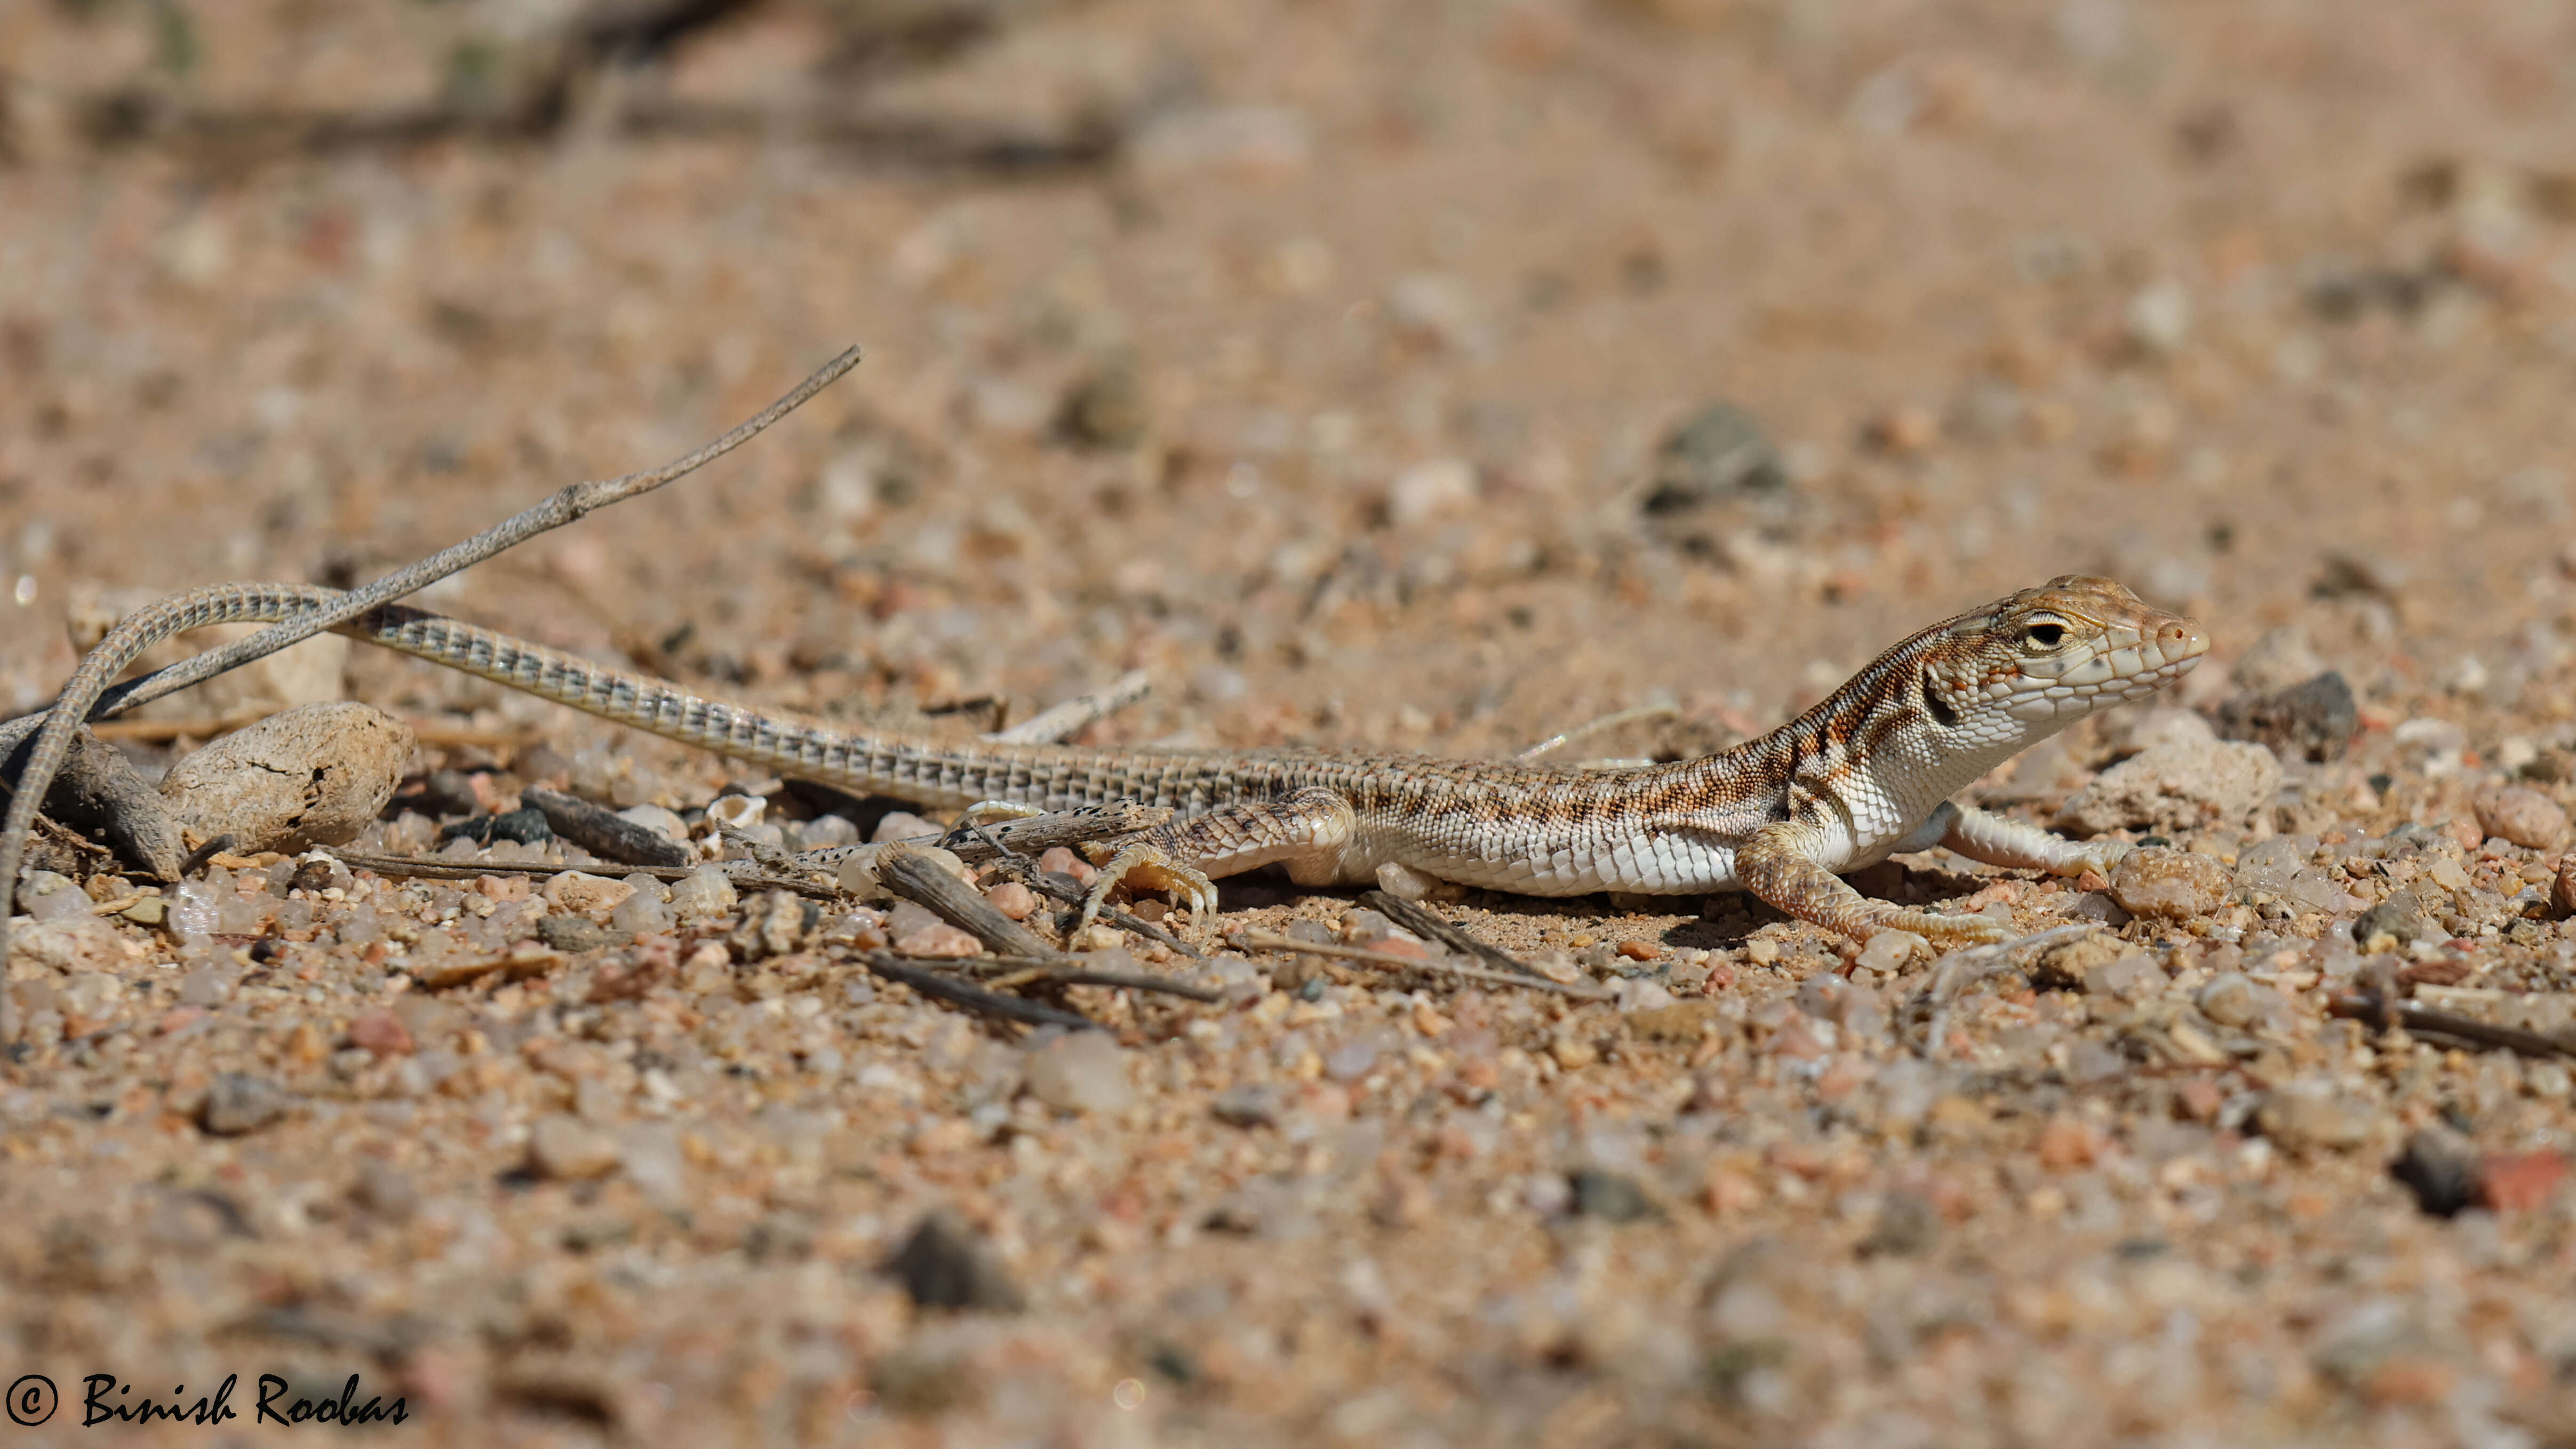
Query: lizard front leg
(1983, 836)
(1306, 828)
(1780, 866)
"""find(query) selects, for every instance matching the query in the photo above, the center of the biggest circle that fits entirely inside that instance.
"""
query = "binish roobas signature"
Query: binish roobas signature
(106, 1399)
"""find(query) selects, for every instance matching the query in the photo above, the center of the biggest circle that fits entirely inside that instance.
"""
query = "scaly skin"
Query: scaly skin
(1865, 774)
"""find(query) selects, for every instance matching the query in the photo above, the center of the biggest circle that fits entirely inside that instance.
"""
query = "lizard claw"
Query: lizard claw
(1144, 863)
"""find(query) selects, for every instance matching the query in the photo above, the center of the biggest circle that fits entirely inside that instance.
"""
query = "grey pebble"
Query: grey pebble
(573, 933)
(237, 1103)
(1612, 1197)
(942, 1264)
(2442, 1168)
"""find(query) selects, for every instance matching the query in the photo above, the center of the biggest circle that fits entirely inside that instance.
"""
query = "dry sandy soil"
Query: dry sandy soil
(1320, 358)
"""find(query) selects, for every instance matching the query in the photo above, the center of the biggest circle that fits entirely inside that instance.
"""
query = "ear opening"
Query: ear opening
(1936, 705)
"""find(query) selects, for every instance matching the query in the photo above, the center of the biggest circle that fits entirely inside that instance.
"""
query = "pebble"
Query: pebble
(641, 913)
(2176, 788)
(380, 1032)
(237, 1103)
(704, 892)
(2173, 885)
(564, 1148)
(1247, 1104)
(68, 944)
(657, 820)
(2232, 1000)
(944, 1264)
(901, 825)
(574, 934)
(1058, 860)
(2314, 1114)
(2133, 977)
(48, 896)
(2524, 816)
(2314, 719)
(583, 894)
(1612, 1197)
(2396, 921)
(1080, 1071)
(2065, 967)
(2512, 1182)
(315, 775)
(1013, 900)
(938, 940)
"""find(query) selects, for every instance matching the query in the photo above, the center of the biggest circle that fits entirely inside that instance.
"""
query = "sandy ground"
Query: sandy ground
(1320, 359)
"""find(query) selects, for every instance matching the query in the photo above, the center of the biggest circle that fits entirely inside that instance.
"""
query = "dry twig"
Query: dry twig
(1257, 941)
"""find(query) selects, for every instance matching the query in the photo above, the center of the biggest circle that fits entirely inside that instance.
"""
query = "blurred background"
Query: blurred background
(1430, 374)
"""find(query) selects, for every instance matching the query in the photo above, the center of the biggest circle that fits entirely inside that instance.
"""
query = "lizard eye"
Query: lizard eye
(2046, 636)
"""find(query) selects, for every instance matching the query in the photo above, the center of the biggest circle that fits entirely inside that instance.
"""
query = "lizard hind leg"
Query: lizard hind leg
(1306, 829)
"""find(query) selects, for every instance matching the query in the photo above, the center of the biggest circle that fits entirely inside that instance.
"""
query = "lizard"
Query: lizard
(1866, 773)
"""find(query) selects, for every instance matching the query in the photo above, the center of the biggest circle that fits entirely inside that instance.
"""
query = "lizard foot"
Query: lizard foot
(1142, 863)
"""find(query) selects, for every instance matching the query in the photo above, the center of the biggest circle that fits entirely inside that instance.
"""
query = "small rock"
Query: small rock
(564, 1148)
(1105, 409)
(1247, 1104)
(315, 775)
(2133, 977)
(642, 913)
(1610, 1196)
(2313, 1114)
(942, 1265)
(658, 820)
(1908, 1227)
(2524, 816)
(2065, 968)
(2173, 885)
(48, 896)
(2441, 1167)
(2176, 788)
(901, 825)
(381, 1032)
(2315, 719)
(69, 944)
(238, 1103)
(1649, 951)
(525, 826)
(2520, 1181)
(573, 934)
(1082, 1071)
(1718, 460)
(582, 894)
(2232, 1000)
(383, 1190)
(703, 892)
(938, 940)
(1013, 900)
(2399, 921)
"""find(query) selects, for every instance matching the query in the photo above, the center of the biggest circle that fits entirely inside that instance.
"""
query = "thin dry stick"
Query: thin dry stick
(1256, 941)
(1063, 722)
(87, 693)
(1589, 728)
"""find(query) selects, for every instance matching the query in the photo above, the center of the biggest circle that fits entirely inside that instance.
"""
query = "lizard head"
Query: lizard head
(2049, 656)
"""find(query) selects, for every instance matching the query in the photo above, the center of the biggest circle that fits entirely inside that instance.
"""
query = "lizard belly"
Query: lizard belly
(1648, 863)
